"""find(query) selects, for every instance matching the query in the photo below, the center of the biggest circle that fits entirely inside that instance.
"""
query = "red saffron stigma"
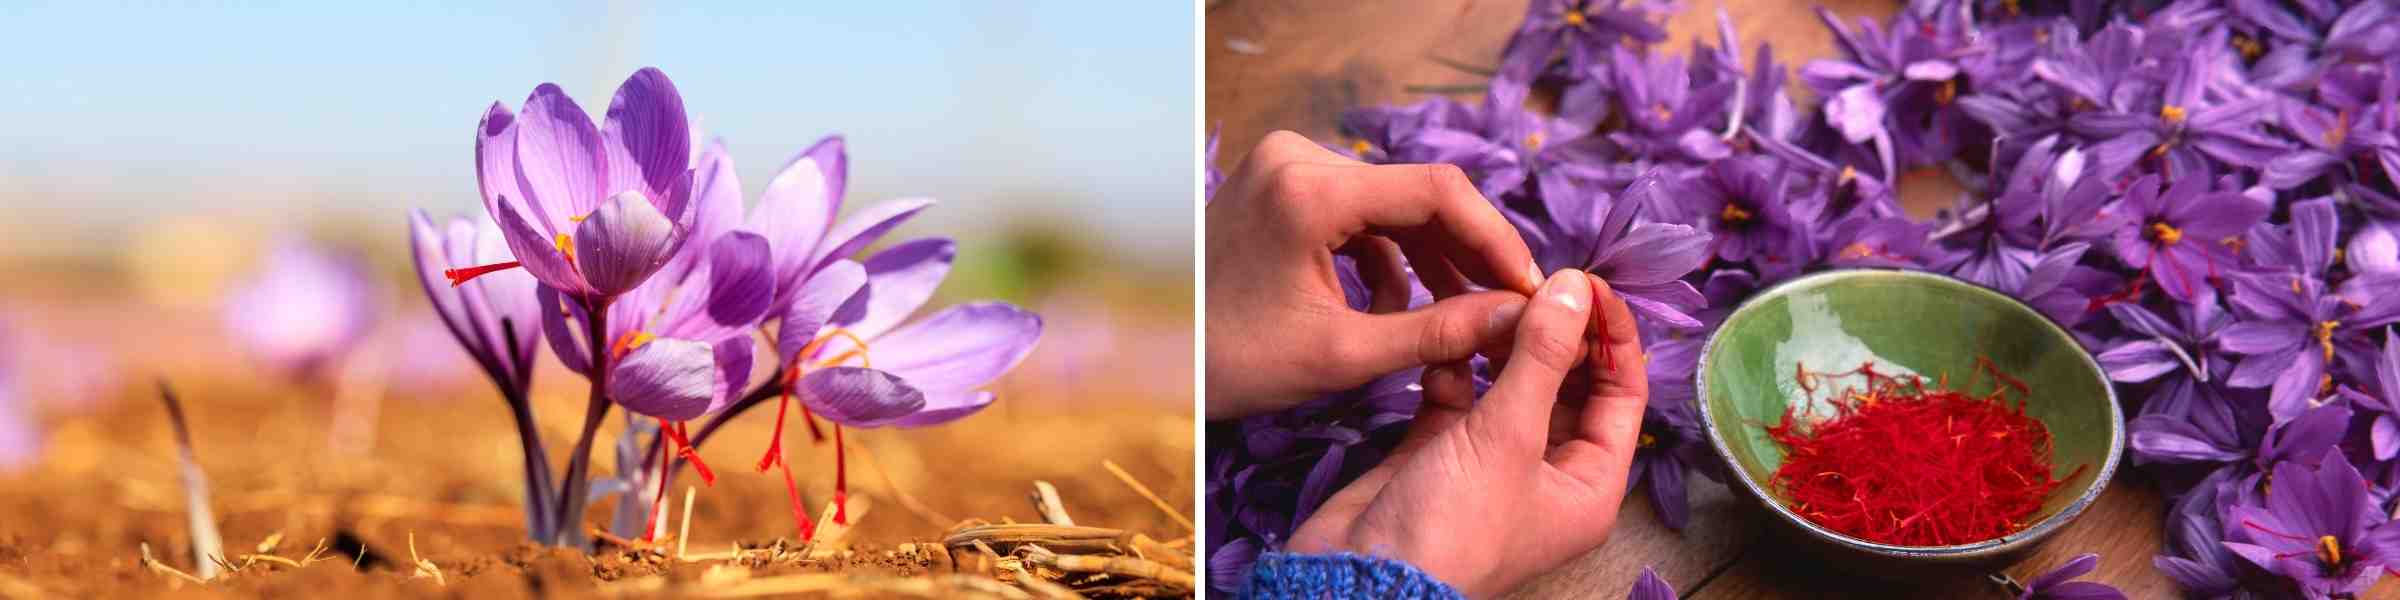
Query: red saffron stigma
(460, 277)
(1904, 463)
(681, 433)
(841, 479)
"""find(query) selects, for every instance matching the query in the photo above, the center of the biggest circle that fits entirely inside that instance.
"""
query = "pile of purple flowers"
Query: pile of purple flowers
(2203, 191)
(627, 249)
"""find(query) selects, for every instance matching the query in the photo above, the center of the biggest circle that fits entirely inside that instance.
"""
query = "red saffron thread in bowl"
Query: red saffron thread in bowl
(1903, 464)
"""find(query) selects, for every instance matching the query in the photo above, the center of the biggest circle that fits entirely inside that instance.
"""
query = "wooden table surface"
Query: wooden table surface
(1297, 64)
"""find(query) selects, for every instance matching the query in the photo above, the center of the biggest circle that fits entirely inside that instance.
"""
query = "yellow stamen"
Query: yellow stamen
(1947, 93)
(1733, 214)
(566, 246)
(1857, 250)
(2166, 234)
(2013, 7)
(2171, 113)
(2340, 130)
(2330, 550)
(1647, 440)
(1533, 141)
(1664, 113)
(1360, 147)
(2325, 385)
(629, 342)
(2325, 336)
(1574, 18)
(1848, 175)
(2249, 48)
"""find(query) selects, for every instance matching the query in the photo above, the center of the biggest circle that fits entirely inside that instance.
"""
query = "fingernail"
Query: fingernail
(1557, 289)
(1504, 317)
(1533, 275)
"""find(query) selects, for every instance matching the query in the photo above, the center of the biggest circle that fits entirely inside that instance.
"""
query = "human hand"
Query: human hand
(1476, 494)
(1279, 329)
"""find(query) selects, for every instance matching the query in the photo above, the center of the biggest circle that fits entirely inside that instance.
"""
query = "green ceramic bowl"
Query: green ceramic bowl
(1923, 323)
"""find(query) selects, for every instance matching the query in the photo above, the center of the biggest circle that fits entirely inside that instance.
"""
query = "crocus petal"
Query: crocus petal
(560, 157)
(668, 378)
(2137, 360)
(734, 358)
(2260, 337)
(496, 157)
(902, 278)
(819, 301)
(741, 284)
(537, 252)
(1651, 587)
(573, 350)
(622, 243)
(2170, 439)
(2373, 249)
(1653, 253)
(2297, 385)
(866, 226)
(1857, 112)
(2068, 571)
(2082, 590)
(960, 348)
(944, 407)
(1930, 70)
(1670, 303)
(426, 249)
(716, 205)
(1667, 493)
(648, 141)
(798, 207)
(859, 397)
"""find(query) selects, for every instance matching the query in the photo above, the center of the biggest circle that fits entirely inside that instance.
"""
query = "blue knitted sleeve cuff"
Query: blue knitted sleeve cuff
(1278, 575)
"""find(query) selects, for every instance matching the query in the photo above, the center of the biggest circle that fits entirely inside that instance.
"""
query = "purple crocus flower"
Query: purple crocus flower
(1741, 202)
(590, 211)
(1878, 242)
(1651, 587)
(1671, 443)
(2059, 584)
(2234, 440)
(2383, 427)
(2175, 234)
(833, 312)
(2195, 555)
(1583, 29)
(495, 318)
(679, 345)
(2184, 351)
(2183, 132)
(304, 310)
(1666, 116)
(1643, 260)
(2332, 136)
(2317, 528)
(2295, 336)
(1909, 75)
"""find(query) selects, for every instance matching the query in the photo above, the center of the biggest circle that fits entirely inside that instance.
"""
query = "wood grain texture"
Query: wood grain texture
(1297, 64)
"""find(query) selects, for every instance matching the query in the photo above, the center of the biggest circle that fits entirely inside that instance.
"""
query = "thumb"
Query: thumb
(1446, 331)
(1549, 344)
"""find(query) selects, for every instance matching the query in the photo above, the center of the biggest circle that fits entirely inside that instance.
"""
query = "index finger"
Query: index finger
(1434, 200)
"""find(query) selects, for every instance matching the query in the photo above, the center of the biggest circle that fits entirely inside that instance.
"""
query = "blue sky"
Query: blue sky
(1006, 112)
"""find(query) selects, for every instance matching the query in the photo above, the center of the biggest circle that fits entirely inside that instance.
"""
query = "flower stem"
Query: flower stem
(537, 459)
(568, 526)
